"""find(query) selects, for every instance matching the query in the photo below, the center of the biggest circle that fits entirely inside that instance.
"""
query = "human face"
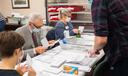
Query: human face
(67, 17)
(38, 22)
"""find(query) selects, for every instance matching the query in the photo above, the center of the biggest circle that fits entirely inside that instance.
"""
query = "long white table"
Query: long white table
(72, 54)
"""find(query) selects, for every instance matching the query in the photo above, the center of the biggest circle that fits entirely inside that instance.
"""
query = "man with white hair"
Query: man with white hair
(33, 34)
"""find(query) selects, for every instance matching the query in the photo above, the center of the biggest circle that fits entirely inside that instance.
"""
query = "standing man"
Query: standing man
(110, 18)
(33, 33)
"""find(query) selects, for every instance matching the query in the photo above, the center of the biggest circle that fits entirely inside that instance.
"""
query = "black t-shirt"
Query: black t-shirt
(8, 73)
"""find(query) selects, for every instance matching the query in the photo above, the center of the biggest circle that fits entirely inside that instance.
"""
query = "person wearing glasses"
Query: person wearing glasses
(33, 32)
(11, 44)
(64, 23)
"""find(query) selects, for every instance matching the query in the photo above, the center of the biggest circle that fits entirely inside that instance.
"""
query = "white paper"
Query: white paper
(51, 45)
(57, 62)
(52, 70)
(70, 57)
(28, 60)
(45, 43)
(73, 57)
(66, 34)
(44, 58)
(81, 28)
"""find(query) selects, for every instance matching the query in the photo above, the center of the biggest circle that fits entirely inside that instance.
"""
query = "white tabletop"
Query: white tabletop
(71, 55)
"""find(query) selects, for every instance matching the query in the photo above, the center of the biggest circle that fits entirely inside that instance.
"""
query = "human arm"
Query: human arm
(100, 20)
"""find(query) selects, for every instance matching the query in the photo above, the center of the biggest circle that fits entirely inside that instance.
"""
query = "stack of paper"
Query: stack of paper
(52, 70)
(70, 56)
(44, 58)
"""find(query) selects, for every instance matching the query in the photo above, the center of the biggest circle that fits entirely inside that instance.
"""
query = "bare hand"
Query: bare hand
(21, 69)
(75, 30)
(93, 53)
(51, 41)
(40, 49)
(31, 72)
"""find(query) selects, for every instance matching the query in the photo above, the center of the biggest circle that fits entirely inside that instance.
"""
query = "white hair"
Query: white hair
(34, 16)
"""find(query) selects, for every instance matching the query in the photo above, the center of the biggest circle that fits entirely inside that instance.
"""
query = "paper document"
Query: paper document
(70, 57)
(28, 60)
(53, 70)
(51, 45)
(45, 43)
(57, 63)
(44, 58)
(81, 28)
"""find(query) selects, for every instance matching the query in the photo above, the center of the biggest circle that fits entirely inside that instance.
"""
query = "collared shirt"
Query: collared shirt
(110, 19)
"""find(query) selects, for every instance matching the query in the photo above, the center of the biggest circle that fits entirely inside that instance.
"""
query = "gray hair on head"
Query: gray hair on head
(34, 16)
(63, 11)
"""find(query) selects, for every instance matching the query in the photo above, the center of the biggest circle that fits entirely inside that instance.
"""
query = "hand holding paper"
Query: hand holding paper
(46, 44)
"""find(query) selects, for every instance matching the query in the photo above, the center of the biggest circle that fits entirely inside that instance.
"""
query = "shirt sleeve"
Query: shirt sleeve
(100, 17)
(71, 29)
(59, 30)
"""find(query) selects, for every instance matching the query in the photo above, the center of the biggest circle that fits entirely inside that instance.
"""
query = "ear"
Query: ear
(17, 51)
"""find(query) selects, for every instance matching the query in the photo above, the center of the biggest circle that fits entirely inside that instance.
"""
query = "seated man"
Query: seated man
(33, 33)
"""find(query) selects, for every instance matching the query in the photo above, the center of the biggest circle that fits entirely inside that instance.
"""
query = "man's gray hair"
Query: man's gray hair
(34, 16)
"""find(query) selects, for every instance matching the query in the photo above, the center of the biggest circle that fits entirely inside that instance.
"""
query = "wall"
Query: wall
(1, 1)
(35, 6)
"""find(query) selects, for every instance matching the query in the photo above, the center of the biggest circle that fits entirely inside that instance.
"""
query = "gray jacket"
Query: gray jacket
(27, 35)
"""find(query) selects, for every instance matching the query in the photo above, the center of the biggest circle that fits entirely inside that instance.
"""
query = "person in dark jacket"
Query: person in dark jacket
(64, 24)
(110, 19)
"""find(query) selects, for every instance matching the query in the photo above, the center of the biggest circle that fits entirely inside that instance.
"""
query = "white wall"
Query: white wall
(35, 6)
